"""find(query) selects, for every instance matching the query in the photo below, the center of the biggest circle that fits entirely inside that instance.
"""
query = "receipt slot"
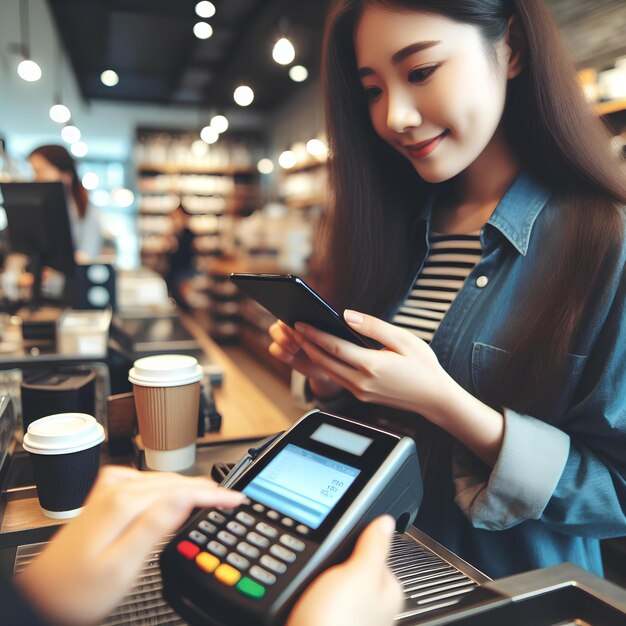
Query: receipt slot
(309, 495)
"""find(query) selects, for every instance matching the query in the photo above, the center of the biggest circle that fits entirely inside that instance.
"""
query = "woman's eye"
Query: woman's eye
(371, 93)
(420, 74)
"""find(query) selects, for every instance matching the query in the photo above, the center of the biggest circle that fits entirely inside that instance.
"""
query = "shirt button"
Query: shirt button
(482, 281)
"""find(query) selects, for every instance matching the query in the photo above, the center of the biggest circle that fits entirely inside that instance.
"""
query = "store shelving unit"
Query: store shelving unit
(305, 185)
(235, 317)
(216, 188)
(304, 190)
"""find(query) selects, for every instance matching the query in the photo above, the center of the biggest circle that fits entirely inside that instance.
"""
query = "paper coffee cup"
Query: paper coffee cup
(167, 402)
(65, 452)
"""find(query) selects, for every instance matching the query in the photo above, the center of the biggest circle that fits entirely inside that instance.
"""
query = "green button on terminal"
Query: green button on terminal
(248, 587)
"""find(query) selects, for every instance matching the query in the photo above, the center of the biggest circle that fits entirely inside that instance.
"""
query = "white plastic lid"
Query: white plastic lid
(63, 433)
(165, 370)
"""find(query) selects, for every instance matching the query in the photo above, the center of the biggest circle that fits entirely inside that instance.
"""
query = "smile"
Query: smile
(424, 148)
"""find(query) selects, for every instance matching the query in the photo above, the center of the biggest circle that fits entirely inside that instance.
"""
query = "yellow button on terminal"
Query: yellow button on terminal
(207, 562)
(227, 574)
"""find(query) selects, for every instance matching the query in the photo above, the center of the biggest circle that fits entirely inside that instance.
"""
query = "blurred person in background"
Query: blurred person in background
(52, 164)
(181, 269)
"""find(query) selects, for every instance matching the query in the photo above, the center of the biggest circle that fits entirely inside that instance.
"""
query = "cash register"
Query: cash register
(39, 227)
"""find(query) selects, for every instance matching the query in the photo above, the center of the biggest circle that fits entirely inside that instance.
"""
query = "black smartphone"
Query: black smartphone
(291, 300)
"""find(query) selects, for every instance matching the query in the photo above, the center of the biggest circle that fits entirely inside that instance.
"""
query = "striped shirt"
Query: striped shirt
(449, 262)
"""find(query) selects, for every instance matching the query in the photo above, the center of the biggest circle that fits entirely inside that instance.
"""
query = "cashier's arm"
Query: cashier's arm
(93, 561)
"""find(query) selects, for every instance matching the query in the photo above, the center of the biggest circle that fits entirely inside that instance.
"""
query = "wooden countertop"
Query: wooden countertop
(247, 412)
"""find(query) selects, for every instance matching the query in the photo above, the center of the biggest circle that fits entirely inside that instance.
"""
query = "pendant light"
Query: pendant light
(27, 69)
(205, 9)
(109, 78)
(243, 95)
(219, 123)
(298, 73)
(59, 112)
(283, 52)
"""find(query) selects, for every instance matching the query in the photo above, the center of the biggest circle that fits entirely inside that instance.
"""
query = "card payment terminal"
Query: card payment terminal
(309, 495)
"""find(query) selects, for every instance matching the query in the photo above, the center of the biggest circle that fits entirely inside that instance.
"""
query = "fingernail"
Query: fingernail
(352, 316)
(301, 328)
(387, 525)
(287, 357)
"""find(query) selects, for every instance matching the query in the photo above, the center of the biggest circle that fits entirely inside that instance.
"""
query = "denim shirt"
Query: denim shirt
(559, 483)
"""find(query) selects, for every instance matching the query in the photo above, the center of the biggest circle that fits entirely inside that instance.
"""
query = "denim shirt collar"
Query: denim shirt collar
(515, 214)
(518, 209)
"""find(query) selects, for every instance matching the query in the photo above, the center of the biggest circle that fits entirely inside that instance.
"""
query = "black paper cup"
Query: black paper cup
(65, 452)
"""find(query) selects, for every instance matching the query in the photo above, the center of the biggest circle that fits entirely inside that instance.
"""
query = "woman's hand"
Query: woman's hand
(286, 348)
(405, 375)
(362, 590)
(93, 561)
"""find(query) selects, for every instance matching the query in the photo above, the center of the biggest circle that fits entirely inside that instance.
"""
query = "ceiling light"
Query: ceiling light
(60, 113)
(122, 197)
(91, 180)
(202, 30)
(70, 134)
(209, 135)
(219, 123)
(243, 95)
(287, 159)
(29, 70)
(317, 148)
(199, 148)
(298, 73)
(205, 9)
(109, 78)
(283, 51)
(265, 166)
(79, 149)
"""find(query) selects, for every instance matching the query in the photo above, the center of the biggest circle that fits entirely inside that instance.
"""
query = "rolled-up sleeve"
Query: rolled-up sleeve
(521, 483)
(570, 474)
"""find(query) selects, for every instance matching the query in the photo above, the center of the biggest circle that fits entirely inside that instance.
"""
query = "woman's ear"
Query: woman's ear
(516, 40)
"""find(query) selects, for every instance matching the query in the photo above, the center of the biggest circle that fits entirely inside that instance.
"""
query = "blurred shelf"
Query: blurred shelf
(611, 106)
(304, 166)
(226, 266)
(304, 203)
(151, 169)
(216, 192)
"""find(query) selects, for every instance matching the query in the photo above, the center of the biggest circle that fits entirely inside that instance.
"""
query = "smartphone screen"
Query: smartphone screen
(291, 300)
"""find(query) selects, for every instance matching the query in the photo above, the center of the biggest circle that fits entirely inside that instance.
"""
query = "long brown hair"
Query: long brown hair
(376, 193)
(62, 160)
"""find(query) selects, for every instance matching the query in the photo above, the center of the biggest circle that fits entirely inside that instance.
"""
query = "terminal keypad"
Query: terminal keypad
(247, 548)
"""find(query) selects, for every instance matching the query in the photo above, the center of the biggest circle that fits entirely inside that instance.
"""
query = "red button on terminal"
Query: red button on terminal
(188, 549)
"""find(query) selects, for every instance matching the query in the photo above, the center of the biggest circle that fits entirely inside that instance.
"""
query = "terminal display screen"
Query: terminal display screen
(302, 484)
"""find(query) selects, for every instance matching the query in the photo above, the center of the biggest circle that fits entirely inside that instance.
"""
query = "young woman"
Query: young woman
(476, 224)
(54, 164)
